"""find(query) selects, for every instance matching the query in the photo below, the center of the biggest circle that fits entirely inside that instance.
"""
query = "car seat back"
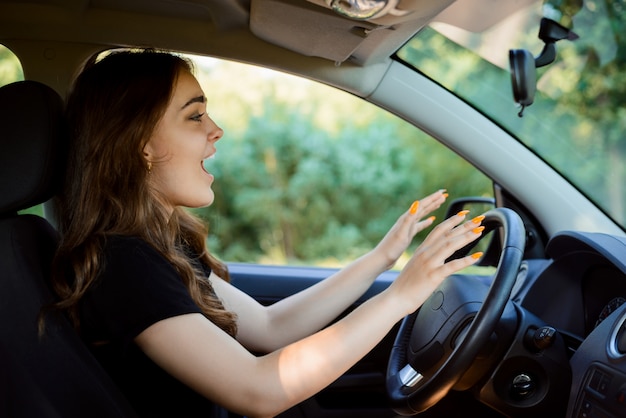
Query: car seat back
(54, 374)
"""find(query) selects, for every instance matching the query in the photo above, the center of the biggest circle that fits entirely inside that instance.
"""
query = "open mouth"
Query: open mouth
(204, 162)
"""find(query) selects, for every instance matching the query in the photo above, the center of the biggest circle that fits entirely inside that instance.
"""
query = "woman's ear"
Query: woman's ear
(148, 155)
(148, 151)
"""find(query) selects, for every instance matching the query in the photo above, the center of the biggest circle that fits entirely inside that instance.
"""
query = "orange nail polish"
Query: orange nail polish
(477, 255)
(478, 219)
(431, 218)
(478, 230)
(445, 195)
(414, 206)
(463, 213)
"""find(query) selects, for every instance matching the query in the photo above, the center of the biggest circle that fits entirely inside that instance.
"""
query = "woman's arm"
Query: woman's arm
(264, 329)
(199, 354)
(267, 328)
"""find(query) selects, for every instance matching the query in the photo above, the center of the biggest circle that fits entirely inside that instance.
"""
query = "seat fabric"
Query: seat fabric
(54, 374)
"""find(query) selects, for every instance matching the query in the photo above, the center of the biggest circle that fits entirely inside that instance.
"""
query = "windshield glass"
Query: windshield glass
(577, 122)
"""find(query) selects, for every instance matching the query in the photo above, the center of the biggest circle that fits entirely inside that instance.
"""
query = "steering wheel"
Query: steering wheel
(438, 343)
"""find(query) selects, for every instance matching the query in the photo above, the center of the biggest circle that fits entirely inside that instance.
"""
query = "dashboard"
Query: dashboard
(581, 292)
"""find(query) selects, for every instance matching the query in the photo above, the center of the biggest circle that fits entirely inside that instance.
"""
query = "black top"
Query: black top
(137, 288)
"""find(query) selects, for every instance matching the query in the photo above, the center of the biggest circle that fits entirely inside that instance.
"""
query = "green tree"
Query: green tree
(580, 104)
(294, 188)
(599, 93)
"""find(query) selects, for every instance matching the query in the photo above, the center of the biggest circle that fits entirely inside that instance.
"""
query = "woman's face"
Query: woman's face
(184, 137)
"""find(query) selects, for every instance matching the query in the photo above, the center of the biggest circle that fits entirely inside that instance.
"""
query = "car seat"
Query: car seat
(53, 375)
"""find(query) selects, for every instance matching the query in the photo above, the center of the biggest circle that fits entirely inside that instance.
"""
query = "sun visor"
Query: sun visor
(307, 29)
(311, 28)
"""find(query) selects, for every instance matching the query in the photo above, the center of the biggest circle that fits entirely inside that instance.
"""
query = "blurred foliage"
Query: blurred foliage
(35, 210)
(10, 67)
(308, 174)
(578, 118)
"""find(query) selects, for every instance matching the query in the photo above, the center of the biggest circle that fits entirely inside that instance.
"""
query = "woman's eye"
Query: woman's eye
(198, 117)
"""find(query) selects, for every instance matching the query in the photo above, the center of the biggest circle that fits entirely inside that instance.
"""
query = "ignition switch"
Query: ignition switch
(522, 387)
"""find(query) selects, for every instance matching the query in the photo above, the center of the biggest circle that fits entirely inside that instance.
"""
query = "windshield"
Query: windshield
(577, 122)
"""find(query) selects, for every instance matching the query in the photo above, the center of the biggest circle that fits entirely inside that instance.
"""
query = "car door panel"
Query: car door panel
(360, 392)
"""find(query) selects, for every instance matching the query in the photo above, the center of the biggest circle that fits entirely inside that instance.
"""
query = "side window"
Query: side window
(10, 67)
(11, 71)
(308, 174)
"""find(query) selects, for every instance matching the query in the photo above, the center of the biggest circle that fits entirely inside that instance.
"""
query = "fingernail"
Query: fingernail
(478, 230)
(445, 195)
(478, 219)
(477, 255)
(463, 213)
(414, 206)
(431, 218)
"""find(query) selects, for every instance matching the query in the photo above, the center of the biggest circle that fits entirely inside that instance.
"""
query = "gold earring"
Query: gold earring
(149, 166)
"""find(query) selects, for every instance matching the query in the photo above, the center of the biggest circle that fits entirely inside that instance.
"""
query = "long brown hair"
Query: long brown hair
(112, 110)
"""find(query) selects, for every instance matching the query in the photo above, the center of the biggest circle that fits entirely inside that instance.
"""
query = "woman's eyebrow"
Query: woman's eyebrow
(199, 99)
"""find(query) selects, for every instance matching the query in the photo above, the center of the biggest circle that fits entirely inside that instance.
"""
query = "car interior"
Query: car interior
(544, 334)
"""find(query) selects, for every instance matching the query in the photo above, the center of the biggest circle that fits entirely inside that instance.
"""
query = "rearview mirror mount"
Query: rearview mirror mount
(523, 65)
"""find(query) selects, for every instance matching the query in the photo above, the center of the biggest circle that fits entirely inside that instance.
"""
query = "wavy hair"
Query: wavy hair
(112, 109)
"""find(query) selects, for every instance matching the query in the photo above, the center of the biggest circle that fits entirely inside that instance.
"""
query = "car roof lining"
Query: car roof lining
(233, 28)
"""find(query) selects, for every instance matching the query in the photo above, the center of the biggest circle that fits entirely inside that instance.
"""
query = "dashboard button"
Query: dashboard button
(600, 382)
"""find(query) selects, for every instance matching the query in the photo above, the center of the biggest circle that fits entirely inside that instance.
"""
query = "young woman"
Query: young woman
(134, 274)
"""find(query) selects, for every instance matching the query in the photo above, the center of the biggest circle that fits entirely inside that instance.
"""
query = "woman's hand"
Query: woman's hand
(396, 241)
(427, 268)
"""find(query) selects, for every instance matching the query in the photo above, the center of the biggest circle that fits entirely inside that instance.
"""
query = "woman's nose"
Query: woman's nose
(216, 132)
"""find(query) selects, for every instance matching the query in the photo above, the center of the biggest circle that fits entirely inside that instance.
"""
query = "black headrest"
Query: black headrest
(32, 145)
